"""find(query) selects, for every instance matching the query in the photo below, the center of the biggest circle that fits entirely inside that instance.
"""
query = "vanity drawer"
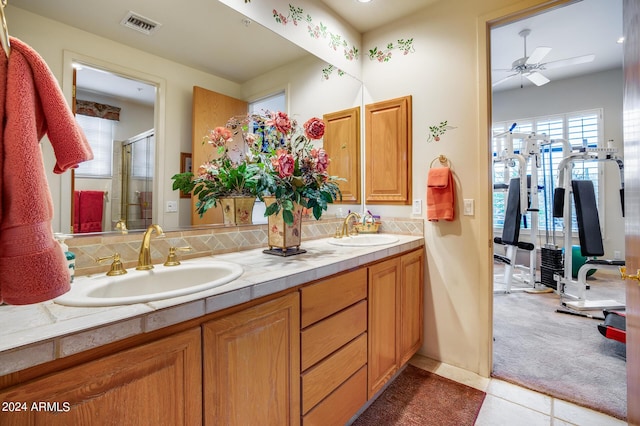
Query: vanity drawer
(329, 296)
(323, 338)
(320, 380)
(342, 404)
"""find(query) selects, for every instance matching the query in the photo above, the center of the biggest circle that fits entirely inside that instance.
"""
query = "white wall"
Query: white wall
(599, 90)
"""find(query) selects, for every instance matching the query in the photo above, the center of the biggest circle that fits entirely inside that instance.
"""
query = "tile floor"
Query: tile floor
(508, 404)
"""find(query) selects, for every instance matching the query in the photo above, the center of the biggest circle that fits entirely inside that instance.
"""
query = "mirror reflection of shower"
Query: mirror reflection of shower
(123, 170)
(136, 170)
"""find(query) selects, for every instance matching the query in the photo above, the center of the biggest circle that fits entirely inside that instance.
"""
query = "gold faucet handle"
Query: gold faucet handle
(172, 258)
(122, 226)
(116, 267)
(624, 276)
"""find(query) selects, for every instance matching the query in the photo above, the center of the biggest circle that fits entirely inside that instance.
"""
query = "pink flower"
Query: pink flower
(280, 120)
(322, 159)
(314, 128)
(219, 136)
(284, 163)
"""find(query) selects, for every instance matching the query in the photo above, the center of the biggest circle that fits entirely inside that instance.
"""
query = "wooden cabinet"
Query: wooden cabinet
(157, 383)
(388, 152)
(252, 365)
(342, 143)
(334, 348)
(411, 310)
(395, 316)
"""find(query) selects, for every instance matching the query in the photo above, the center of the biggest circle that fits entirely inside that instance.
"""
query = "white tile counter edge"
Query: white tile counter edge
(46, 331)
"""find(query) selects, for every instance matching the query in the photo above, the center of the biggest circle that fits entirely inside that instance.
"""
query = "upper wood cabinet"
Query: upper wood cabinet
(342, 143)
(157, 383)
(388, 148)
(252, 365)
(209, 110)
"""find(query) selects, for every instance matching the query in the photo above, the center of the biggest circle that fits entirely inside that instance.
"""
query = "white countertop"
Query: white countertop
(34, 334)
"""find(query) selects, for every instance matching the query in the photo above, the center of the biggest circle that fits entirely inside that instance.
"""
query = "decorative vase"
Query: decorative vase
(284, 240)
(237, 210)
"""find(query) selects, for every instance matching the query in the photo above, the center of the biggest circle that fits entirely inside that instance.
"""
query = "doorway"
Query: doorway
(138, 98)
(520, 93)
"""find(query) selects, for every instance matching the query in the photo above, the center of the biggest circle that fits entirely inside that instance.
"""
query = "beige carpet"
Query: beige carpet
(561, 355)
(418, 397)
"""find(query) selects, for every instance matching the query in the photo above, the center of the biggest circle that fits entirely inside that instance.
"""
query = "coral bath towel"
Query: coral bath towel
(90, 210)
(33, 267)
(440, 194)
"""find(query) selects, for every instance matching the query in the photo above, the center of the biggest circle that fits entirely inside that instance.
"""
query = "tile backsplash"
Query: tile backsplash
(204, 241)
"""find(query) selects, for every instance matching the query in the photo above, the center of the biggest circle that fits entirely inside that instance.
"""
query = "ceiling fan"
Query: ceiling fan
(530, 66)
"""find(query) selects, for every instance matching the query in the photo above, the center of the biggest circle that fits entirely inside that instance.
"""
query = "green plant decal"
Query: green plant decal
(436, 131)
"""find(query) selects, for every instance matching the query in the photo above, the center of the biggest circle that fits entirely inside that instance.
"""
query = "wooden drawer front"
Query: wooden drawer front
(327, 297)
(323, 338)
(320, 380)
(342, 404)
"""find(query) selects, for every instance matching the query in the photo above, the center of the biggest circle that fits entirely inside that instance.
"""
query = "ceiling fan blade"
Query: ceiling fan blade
(537, 78)
(502, 80)
(570, 61)
(538, 55)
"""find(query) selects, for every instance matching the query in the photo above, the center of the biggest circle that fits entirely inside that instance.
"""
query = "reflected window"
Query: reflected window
(99, 133)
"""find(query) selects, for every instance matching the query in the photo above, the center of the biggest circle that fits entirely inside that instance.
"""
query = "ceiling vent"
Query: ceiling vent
(140, 23)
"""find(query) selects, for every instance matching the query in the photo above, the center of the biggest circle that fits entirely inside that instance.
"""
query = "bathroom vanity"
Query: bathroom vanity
(307, 339)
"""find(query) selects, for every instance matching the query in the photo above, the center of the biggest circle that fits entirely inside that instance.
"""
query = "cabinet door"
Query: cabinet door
(383, 325)
(252, 365)
(159, 383)
(411, 304)
(388, 152)
(342, 143)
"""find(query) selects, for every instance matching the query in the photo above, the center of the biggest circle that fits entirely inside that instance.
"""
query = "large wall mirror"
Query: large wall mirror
(312, 87)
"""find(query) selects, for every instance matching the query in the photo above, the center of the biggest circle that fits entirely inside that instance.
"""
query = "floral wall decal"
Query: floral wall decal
(438, 130)
(317, 31)
(326, 72)
(384, 55)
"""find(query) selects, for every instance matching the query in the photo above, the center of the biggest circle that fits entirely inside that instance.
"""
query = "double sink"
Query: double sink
(164, 282)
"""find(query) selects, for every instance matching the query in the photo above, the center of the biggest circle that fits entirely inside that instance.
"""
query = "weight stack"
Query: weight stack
(550, 264)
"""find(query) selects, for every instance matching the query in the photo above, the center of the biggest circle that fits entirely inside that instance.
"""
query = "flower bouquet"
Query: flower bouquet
(222, 177)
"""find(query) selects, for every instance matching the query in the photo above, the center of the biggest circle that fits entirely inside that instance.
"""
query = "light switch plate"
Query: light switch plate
(417, 207)
(172, 207)
(468, 207)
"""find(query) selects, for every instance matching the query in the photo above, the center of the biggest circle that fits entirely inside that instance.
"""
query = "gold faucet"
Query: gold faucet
(345, 225)
(144, 258)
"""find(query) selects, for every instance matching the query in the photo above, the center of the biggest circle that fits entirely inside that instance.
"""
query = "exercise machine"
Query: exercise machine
(522, 198)
(589, 232)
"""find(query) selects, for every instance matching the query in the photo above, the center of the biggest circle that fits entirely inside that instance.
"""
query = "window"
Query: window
(99, 133)
(580, 129)
(275, 102)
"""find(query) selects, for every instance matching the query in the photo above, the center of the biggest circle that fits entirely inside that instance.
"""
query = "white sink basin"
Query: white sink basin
(363, 240)
(162, 282)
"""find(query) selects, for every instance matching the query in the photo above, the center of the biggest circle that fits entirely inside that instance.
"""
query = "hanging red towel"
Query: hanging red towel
(76, 212)
(440, 194)
(90, 211)
(33, 267)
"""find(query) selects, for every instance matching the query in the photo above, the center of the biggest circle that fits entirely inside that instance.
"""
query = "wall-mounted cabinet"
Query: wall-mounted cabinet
(342, 143)
(388, 130)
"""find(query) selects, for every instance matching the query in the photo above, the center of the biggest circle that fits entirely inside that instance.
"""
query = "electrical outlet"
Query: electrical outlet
(617, 255)
(417, 207)
(468, 207)
(172, 207)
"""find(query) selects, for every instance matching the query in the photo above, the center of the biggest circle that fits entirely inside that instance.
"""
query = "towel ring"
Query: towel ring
(444, 161)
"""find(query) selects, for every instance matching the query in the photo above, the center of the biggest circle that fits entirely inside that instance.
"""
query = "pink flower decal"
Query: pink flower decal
(314, 128)
(284, 163)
